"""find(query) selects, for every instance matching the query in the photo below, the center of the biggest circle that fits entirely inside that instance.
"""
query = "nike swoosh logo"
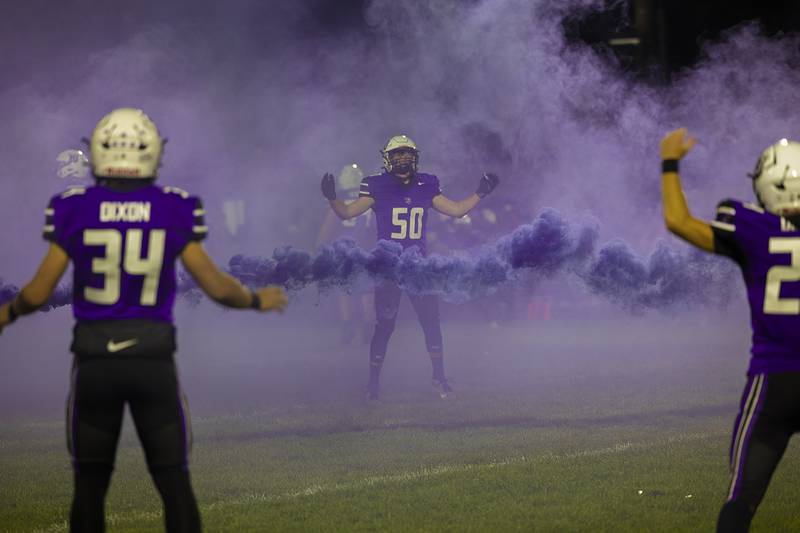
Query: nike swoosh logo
(117, 346)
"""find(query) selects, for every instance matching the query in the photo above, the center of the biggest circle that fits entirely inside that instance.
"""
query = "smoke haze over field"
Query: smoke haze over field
(258, 102)
(257, 106)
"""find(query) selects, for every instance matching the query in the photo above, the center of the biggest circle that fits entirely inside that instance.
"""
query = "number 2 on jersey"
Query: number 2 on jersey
(109, 265)
(410, 228)
(773, 303)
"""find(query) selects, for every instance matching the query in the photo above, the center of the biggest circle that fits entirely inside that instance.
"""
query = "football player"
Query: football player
(123, 236)
(400, 198)
(764, 240)
(355, 310)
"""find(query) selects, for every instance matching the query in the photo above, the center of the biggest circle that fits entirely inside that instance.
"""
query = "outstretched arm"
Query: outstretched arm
(674, 146)
(449, 207)
(224, 288)
(353, 209)
(38, 290)
(343, 210)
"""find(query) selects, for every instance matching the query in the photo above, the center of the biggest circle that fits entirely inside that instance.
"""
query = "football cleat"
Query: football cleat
(442, 388)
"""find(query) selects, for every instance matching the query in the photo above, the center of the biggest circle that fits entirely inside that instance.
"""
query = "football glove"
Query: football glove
(487, 184)
(328, 187)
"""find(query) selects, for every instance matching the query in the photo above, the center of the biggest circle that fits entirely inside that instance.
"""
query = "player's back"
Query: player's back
(124, 245)
(767, 248)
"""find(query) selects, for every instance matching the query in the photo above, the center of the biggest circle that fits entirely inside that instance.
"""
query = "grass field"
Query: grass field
(557, 426)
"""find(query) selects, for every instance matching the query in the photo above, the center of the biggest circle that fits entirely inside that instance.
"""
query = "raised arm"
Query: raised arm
(224, 288)
(674, 146)
(452, 208)
(38, 290)
(344, 211)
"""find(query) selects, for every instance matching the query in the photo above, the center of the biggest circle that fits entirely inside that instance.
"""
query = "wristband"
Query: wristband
(12, 313)
(256, 302)
(669, 165)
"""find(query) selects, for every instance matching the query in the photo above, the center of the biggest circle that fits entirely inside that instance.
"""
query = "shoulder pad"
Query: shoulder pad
(726, 215)
(72, 191)
(167, 189)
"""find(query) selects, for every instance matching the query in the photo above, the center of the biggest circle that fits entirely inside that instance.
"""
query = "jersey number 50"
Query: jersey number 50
(111, 263)
(773, 303)
(411, 228)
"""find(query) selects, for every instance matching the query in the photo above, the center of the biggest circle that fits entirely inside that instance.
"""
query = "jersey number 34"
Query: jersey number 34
(111, 263)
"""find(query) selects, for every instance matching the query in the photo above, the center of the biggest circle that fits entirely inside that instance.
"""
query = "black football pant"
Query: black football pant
(99, 391)
(769, 414)
(387, 302)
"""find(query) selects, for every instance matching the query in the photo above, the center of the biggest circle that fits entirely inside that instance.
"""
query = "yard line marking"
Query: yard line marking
(113, 519)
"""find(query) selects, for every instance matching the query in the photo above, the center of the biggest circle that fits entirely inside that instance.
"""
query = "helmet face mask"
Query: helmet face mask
(126, 144)
(776, 178)
(401, 157)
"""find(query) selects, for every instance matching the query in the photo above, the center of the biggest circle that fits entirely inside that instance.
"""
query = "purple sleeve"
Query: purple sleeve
(726, 240)
(56, 219)
(364, 190)
(437, 188)
(49, 230)
(199, 229)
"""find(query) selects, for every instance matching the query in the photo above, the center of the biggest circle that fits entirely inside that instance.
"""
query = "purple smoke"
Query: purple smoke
(548, 247)
(7, 292)
(257, 107)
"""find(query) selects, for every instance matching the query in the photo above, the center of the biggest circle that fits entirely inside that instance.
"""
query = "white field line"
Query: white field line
(400, 477)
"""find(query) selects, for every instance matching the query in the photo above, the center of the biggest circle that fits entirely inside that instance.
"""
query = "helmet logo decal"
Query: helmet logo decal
(776, 178)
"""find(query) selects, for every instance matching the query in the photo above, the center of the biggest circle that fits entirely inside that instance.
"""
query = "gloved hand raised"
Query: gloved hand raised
(487, 184)
(328, 187)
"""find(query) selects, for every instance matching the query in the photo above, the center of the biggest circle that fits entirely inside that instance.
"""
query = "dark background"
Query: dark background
(661, 36)
(670, 32)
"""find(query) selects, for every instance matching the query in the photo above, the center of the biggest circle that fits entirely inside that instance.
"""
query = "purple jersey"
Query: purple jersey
(401, 210)
(767, 248)
(123, 246)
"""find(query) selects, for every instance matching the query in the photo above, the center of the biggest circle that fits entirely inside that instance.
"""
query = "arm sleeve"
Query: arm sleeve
(199, 229)
(364, 190)
(56, 222)
(437, 187)
(49, 230)
(726, 241)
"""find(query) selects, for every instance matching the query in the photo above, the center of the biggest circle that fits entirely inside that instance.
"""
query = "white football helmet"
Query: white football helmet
(395, 143)
(126, 144)
(776, 179)
(350, 178)
(72, 164)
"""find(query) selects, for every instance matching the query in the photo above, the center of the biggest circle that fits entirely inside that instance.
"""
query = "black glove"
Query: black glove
(328, 187)
(487, 184)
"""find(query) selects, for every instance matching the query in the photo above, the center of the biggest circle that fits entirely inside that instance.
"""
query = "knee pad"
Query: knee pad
(383, 330)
